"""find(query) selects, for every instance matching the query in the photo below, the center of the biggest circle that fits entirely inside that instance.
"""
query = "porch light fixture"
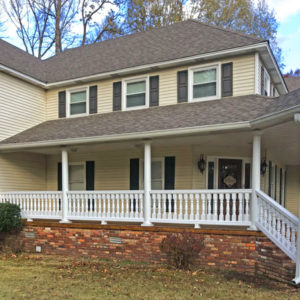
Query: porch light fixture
(263, 167)
(201, 164)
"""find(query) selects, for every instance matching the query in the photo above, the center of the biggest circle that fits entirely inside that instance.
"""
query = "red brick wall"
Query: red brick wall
(242, 251)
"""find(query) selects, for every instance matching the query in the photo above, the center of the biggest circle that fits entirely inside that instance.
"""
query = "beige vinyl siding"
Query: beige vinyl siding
(243, 84)
(112, 168)
(22, 105)
(293, 189)
(22, 172)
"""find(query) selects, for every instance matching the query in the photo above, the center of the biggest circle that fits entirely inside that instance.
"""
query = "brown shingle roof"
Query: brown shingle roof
(185, 115)
(293, 83)
(176, 41)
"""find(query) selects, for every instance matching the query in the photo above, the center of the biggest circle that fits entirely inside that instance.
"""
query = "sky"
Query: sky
(288, 15)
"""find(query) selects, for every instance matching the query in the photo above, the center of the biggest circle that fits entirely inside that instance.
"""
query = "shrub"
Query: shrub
(181, 249)
(10, 217)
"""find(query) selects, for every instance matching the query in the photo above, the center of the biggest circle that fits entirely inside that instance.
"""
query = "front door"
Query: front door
(230, 174)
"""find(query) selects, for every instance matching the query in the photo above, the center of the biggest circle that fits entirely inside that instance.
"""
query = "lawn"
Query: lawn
(51, 277)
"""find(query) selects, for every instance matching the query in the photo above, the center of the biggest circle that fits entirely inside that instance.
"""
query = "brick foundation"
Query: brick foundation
(239, 250)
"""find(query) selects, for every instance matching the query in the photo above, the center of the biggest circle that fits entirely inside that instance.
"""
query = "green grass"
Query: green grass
(51, 277)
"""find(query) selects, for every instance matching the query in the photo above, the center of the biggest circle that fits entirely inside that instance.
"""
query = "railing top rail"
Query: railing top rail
(278, 207)
(108, 192)
(212, 191)
(30, 192)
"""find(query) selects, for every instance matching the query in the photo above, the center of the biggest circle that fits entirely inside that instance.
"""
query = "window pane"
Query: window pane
(205, 76)
(76, 177)
(78, 97)
(156, 185)
(156, 170)
(205, 90)
(78, 108)
(136, 100)
(136, 87)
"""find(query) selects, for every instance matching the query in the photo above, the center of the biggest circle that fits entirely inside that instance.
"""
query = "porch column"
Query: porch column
(147, 184)
(296, 280)
(65, 185)
(256, 156)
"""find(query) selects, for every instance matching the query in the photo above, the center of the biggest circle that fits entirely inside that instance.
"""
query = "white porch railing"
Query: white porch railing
(106, 205)
(277, 223)
(210, 207)
(36, 205)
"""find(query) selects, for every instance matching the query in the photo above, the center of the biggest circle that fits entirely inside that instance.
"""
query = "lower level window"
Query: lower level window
(76, 177)
(156, 175)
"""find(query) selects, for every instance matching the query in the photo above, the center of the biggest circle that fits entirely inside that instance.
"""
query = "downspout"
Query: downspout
(296, 280)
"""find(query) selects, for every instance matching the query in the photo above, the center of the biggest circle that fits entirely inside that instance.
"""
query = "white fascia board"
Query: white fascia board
(130, 136)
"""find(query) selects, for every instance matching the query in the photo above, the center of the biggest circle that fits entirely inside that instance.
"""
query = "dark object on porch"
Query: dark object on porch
(181, 249)
(10, 218)
(201, 164)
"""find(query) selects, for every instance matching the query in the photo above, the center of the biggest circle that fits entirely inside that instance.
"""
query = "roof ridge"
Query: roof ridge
(129, 35)
(227, 30)
(126, 36)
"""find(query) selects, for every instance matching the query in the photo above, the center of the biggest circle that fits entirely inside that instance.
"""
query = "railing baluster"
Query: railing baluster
(233, 216)
(191, 206)
(185, 206)
(175, 206)
(227, 196)
(215, 212)
(209, 216)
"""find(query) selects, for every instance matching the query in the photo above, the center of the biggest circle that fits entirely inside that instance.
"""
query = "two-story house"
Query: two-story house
(186, 124)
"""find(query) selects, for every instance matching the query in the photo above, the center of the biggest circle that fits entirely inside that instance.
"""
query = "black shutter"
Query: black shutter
(280, 186)
(134, 174)
(275, 185)
(117, 95)
(90, 175)
(262, 81)
(154, 89)
(93, 99)
(270, 178)
(227, 80)
(247, 176)
(182, 86)
(211, 174)
(170, 173)
(59, 177)
(62, 104)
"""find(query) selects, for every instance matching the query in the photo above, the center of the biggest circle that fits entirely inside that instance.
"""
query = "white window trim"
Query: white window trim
(124, 92)
(191, 71)
(215, 159)
(68, 102)
(141, 175)
(84, 172)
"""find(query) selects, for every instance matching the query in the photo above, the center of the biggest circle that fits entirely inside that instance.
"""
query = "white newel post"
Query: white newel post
(147, 184)
(65, 185)
(256, 153)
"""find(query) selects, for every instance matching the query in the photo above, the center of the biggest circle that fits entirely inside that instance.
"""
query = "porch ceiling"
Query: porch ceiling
(282, 141)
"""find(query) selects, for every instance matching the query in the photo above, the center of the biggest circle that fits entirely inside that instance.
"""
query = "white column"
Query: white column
(65, 185)
(256, 154)
(296, 280)
(147, 184)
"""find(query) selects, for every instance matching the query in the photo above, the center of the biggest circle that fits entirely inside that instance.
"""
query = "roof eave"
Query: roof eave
(128, 136)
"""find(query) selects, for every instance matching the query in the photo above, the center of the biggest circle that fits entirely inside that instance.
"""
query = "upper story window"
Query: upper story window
(77, 102)
(267, 84)
(136, 93)
(204, 83)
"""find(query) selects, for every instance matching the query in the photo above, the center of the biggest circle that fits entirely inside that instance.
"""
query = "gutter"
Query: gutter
(129, 136)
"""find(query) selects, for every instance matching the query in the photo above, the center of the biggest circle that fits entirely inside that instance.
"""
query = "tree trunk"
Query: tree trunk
(57, 28)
